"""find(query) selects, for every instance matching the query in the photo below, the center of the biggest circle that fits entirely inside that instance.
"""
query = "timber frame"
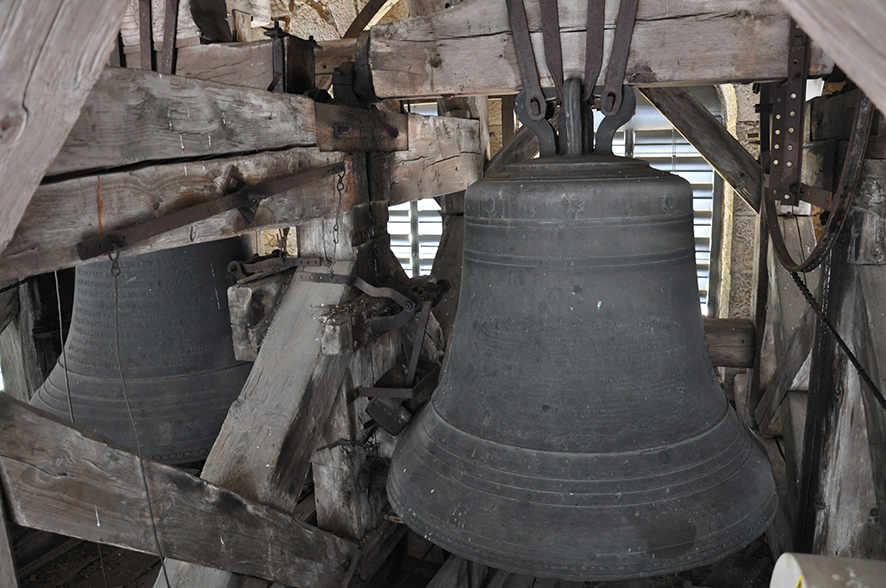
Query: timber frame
(71, 171)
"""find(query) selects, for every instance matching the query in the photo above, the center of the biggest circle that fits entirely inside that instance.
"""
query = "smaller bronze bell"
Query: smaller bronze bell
(175, 352)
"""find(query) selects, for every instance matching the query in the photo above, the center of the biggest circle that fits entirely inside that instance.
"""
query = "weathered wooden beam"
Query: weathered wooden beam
(174, 117)
(8, 577)
(50, 56)
(767, 413)
(468, 48)
(730, 342)
(63, 214)
(64, 479)
(711, 139)
(851, 31)
(444, 157)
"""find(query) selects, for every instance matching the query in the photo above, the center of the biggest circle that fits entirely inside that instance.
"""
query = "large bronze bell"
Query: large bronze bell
(175, 352)
(579, 431)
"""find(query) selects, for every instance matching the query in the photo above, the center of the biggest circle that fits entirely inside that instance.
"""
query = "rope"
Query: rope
(114, 256)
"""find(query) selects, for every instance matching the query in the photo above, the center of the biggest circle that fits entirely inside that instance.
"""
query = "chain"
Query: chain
(15, 285)
(340, 188)
(114, 256)
(862, 374)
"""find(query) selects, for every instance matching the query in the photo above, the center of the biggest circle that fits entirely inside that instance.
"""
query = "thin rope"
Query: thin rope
(862, 374)
(61, 338)
(114, 256)
(101, 561)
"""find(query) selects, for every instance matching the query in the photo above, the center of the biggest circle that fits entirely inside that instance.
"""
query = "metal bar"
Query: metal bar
(534, 98)
(594, 46)
(419, 339)
(610, 101)
(245, 197)
(170, 22)
(550, 30)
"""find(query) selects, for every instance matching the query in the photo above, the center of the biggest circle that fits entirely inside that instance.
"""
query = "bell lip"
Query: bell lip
(717, 543)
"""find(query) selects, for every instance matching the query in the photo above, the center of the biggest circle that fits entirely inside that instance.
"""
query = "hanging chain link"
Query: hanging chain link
(339, 188)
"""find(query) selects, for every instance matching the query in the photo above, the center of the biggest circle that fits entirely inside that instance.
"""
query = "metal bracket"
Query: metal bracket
(261, 267)
(238, 196)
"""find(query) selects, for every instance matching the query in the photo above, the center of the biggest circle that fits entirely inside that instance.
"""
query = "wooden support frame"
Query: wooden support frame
(674, 43)
(67, 480)
(711, 139)
(8, 577)
(52, 53)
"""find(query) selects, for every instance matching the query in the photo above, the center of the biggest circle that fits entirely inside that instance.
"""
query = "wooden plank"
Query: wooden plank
(95, 492)
(329, 55)
(851, 31)
(523, 146)
(468, 49)
(453, 574)
(176, 118)
(238, 64)
(343, 128)
(797, 350)
(730, 342)
(712, 140)
(7, 561)
(51, 54)
(444, 157)
(375, 550)
(63, 214)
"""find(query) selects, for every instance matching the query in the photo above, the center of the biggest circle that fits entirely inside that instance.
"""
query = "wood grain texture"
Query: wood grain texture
(7, 561)
(62, 214)
(711, 139)
(67, 480)
(468, 48)
(444, 157)
(730, 342)
(238, 64)
(797, 350)
(174, 117)
(51, 54)
(851, 31)
(343, 128)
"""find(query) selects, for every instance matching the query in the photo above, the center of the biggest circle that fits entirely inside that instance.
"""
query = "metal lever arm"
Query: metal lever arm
(244, 199)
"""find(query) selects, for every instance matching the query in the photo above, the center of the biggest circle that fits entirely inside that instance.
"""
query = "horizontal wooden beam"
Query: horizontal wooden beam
(708, 135)
(63, 214)
(133, 116)
(730, 342)
(51, 53)
(468, 49)
(67, 480)
(443, 157)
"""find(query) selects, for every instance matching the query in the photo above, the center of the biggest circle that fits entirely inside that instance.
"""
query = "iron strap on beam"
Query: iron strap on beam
(239, 196)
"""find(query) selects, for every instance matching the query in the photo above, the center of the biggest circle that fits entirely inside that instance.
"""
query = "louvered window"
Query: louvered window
(415, 227)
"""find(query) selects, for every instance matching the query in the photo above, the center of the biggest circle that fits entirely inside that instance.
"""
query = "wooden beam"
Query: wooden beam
(174, 117)
(797, 350)
(65, 479)
(8, 577)
(851, 31)
(730, 342)
(711, 139)
(63, 214)
(50, 56)
(468, 48)
(444, 157)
